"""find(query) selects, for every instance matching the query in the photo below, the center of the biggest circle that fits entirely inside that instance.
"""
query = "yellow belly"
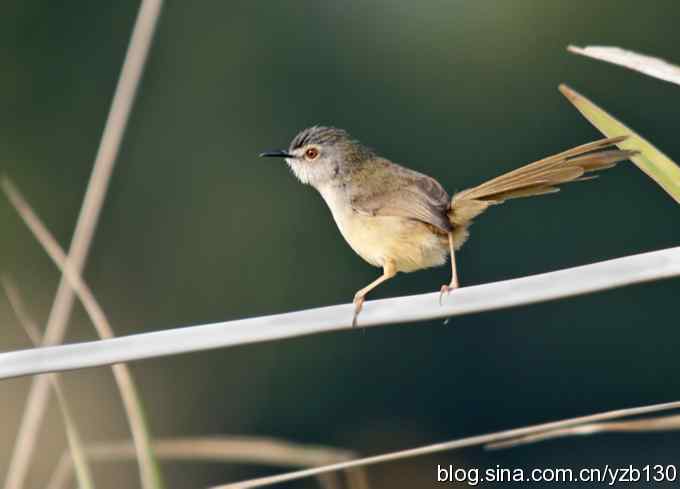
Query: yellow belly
(409, 244)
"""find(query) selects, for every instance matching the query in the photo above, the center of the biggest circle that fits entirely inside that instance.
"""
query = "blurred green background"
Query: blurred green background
(196, 228)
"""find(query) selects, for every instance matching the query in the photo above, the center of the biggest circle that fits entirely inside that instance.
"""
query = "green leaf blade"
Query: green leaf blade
(649, 159)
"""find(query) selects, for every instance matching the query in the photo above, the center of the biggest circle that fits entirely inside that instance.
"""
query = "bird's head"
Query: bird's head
(319, 155)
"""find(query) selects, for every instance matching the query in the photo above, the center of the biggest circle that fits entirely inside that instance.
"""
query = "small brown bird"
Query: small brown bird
(402, 220)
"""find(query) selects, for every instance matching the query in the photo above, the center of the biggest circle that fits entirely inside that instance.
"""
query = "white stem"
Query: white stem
(604, 275)
(649, 65)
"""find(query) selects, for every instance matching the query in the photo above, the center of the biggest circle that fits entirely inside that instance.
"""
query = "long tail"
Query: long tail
(538, 178)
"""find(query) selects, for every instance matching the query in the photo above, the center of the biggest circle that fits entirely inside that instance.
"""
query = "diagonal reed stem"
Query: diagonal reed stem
(660, 423)
(149, 472)
(76, 451)
(121, 106)
(451, 445)
(232, 449)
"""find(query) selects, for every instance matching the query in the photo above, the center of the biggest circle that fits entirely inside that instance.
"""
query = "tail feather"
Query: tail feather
(538, 178)
(549, 162)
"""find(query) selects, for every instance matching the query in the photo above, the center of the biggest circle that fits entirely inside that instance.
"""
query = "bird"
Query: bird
(402, 220)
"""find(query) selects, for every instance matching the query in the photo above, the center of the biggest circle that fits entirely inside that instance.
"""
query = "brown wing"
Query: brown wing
(402, 193)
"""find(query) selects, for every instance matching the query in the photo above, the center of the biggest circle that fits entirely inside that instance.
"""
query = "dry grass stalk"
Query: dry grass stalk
(121, 106)
(122, 375)
(452, 445)
(76, 449)
(660, 423)
(251, 450)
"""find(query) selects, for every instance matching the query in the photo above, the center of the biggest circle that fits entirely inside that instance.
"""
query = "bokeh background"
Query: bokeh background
(196, 228)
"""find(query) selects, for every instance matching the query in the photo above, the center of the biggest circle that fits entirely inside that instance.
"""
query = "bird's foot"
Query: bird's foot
(446, 289)
(358, 305)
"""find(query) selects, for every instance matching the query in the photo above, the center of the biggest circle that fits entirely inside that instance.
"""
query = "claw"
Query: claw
(446, 289)
(358, 305)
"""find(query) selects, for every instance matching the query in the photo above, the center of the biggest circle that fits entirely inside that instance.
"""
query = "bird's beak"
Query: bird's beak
(277, 153)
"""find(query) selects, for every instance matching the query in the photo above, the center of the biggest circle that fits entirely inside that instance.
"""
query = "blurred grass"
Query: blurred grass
(487, 439)
(150, 473)
(75, 443)
(72, 266)
(225, 450)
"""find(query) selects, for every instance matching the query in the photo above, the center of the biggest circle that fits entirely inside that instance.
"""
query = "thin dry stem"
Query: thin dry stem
(18, 307)
(357, 478)
(451, 445)
(76, 450)
(121, 372)
(121, 106)
(251, 450)
(660, 423)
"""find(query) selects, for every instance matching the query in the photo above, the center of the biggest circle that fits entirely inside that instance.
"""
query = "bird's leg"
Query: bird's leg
(454, 274)
(389, 271)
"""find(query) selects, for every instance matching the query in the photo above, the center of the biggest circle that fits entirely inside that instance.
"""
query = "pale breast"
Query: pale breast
(410, 244)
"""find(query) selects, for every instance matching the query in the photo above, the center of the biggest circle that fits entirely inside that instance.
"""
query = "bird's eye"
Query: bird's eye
(311, 153)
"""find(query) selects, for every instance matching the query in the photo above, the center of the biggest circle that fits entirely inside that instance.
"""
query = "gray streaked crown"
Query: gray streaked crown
(320, 135)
